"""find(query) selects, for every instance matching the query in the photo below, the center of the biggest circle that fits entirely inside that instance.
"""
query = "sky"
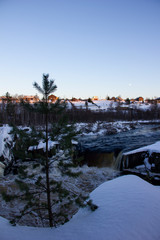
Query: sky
(89, 47)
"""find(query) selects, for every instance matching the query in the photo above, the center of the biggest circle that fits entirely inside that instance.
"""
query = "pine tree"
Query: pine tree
(39, 195)
(47, 88)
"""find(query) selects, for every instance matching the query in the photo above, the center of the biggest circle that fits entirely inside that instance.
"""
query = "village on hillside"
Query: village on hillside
(52, 98)
(80, 110)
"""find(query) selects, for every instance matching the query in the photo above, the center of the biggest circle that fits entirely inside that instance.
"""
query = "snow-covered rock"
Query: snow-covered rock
(149, 156)
(150, 148)
(2, 167)
(5, 137)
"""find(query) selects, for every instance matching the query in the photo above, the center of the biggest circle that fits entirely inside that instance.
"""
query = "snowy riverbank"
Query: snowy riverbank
(128, 209)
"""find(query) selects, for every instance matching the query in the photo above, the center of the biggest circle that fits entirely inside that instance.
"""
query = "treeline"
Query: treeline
(18, 115)
(80, 115)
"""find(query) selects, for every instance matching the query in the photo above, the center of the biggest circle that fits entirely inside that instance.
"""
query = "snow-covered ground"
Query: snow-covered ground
(83, 184)
(128, 209)
(106, 105)
(96, 105)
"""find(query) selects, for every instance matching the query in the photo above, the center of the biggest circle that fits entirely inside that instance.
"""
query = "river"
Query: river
(142, 135)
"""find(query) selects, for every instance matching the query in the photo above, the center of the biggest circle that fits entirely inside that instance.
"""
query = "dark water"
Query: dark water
(141, 136)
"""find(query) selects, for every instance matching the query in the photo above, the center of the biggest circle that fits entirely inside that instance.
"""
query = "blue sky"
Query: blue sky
(90, 47)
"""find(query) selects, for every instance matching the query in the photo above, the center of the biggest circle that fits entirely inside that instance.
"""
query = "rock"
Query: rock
(2, 167)
(154, 159)
(131, 161)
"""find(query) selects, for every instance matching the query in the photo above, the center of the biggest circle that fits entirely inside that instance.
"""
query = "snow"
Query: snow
(96, 105)
(105, 105)
(74, 142)
(128, 209)
(150, 148)
(51, 144)
(5, 137)
(147, 164)
(42, 145)
(99, 128)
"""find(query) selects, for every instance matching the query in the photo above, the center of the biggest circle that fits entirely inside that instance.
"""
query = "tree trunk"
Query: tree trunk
(47, 178)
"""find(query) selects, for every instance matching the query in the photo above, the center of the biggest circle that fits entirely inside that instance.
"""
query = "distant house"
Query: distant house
(113, 99)
(157, 100)
(95, 98)
(74, 99)
(52, 98)
(151, 101)
(119, 99)
(31, 99)
(139, 99)
(132, 100)
(15, 100)
(4, 99)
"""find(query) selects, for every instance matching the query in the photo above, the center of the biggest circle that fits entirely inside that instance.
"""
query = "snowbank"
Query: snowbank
(149, 148)
(128, 209)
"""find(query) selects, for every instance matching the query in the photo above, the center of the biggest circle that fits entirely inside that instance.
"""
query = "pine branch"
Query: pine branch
(35, 85)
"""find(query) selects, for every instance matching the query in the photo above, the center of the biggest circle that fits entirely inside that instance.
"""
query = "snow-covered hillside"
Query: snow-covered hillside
(106, 105)
(128, 209)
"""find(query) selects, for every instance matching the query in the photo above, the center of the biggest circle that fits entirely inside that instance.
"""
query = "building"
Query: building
(95, 98)
(52, 98)
(31, 99)
(139, 99)
(5, 99)
(119, 99)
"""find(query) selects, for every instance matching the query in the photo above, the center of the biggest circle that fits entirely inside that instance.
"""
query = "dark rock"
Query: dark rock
(130, 161)
(155, 159)
(133, 160)
(98, 159)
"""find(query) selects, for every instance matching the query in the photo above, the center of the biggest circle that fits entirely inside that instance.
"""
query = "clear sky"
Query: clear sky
(90, 47)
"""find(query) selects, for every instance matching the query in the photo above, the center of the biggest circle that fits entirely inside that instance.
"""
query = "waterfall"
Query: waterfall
(117, 161)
